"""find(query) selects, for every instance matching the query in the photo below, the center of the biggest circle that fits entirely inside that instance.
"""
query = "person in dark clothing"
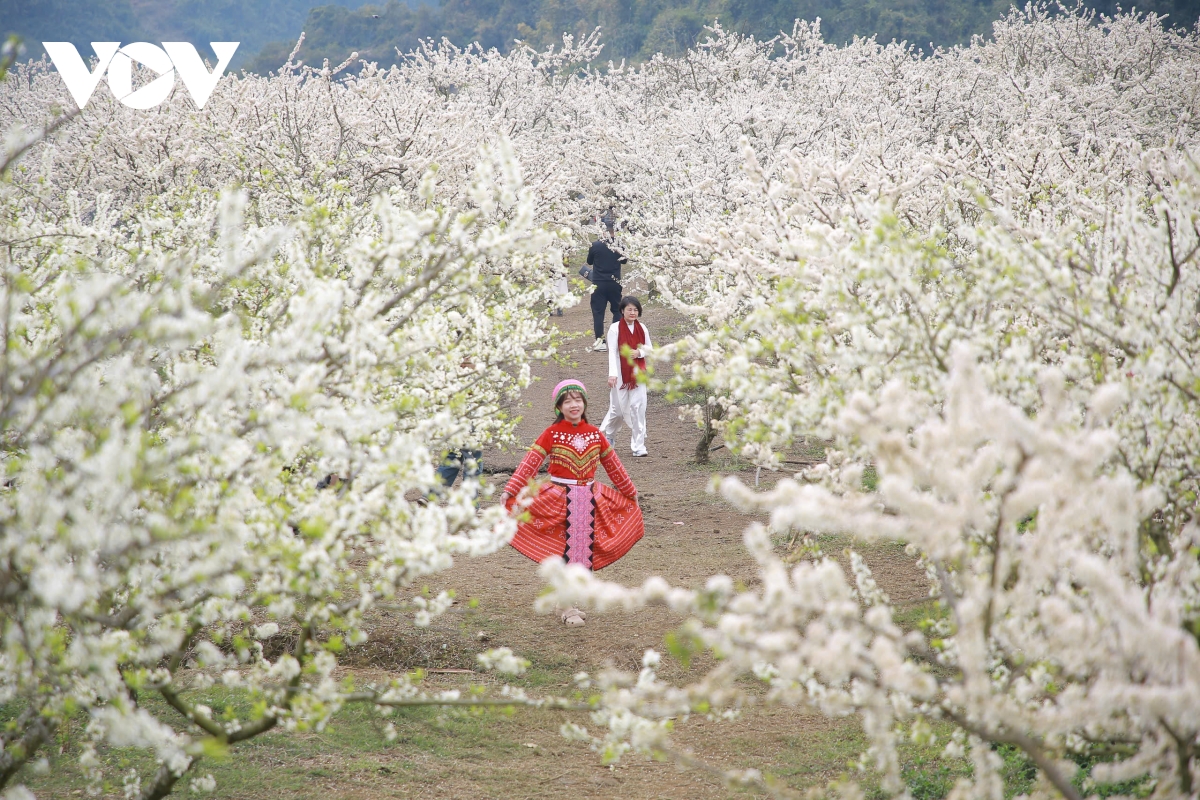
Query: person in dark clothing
(606, 260)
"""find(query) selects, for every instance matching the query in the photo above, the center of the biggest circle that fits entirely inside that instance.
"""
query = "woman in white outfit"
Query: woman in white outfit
(628, 342)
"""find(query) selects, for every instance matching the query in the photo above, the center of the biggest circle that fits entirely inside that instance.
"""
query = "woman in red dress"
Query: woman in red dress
(574, 517)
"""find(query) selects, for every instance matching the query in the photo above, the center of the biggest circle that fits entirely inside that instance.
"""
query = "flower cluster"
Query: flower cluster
(221, 412)
(976, 274)
(1060, 634)
(974, 271)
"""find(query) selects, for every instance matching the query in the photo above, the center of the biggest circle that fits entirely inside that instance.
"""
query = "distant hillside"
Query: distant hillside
(632, 29)
(251, 22)
(636, 29)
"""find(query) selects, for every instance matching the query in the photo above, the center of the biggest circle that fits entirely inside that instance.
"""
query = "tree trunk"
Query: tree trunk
(14, 755)
(712, 413)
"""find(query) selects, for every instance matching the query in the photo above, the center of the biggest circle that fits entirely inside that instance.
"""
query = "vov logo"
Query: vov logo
(118, 61)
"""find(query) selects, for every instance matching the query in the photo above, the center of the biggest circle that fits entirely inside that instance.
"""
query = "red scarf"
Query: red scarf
(634, 340)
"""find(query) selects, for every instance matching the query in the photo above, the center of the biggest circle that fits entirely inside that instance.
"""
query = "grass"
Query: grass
(929, 776)
(490, 749)
(805, 758)
(1138, 787)
(352, 751)
(482, 752)
(719, 461)
(489, 753)
(870, 479)
(672, 331)
(915, 615)
(832, 753)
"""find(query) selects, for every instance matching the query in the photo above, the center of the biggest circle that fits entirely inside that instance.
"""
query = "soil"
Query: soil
(691, 534)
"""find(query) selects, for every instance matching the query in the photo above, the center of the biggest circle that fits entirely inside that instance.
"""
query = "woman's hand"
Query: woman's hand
(612, 383)
(504, 498)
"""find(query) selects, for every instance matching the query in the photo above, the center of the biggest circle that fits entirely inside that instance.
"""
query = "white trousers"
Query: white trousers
(628, 406)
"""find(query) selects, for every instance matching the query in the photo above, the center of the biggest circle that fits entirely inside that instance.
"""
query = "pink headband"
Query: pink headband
(570, 384)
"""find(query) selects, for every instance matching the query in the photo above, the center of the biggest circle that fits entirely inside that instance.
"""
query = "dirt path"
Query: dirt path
(690, 535)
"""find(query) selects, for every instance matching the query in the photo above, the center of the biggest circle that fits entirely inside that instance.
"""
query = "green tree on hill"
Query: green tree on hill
(637, 29)
(632, 29)
(253, 23)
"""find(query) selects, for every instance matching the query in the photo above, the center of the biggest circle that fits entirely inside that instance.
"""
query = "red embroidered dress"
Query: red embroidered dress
(574, 517)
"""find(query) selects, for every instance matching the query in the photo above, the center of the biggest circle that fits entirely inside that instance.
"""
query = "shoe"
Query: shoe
(574, 617)
(640, 455)
(600, 346)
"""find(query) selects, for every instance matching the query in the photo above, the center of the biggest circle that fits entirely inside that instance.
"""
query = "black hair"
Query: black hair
(609, 219)
(630, 300)
(558, 404)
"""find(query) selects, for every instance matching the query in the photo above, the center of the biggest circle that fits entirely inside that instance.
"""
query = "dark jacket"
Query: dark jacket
(606, 262)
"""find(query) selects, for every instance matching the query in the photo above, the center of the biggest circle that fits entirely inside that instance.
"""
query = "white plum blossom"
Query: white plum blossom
(977, 276)
(973, 271)
(1053, 640)
(502, 659)
(183, 366)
